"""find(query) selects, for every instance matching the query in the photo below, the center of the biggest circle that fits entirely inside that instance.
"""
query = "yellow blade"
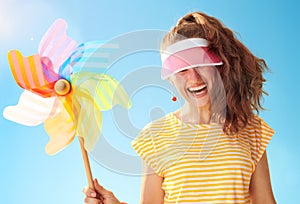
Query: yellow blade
(103, 90)
(88, 121)
(61, 131)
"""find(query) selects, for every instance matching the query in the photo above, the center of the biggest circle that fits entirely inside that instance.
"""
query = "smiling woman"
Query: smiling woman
(260, 25)
(212, 149)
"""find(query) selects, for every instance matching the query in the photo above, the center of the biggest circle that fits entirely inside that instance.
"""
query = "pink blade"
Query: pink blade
(61, 131)
(32, 74)
(31, 110)
(56, 45)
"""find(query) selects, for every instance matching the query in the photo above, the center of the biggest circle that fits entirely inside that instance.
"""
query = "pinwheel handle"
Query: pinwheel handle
(86, 163)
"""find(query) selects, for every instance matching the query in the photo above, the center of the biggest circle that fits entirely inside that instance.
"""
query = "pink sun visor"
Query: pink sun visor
(186, 54)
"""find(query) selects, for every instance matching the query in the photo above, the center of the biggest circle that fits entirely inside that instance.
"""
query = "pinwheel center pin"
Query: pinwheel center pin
(62, 87)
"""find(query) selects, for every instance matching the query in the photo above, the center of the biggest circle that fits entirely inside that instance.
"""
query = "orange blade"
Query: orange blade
(67, 102)
(31, 74)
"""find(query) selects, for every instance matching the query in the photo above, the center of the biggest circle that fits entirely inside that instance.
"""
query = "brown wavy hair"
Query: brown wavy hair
(241, 72)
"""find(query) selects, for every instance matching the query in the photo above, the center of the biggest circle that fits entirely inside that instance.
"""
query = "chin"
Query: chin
(200, 103)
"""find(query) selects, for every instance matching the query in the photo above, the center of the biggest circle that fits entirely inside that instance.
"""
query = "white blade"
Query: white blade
(31, 109)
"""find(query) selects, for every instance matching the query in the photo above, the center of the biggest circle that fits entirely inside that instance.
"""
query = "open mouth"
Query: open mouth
(197, 90)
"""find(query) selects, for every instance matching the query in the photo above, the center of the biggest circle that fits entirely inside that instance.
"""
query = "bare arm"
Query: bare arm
(260, 184)
(151, 190)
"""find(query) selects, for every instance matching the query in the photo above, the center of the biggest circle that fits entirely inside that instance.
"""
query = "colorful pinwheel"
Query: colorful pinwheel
(60, 93)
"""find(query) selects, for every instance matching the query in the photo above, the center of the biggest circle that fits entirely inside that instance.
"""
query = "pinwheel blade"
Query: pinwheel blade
(61, 131)
(32, 74)
(56, 45)
(90, 55)
(101, 89)
(88, 121)
(67, 103)
(31, 110)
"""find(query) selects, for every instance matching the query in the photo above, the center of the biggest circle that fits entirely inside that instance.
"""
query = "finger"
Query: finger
(89, 192)
(88, 200)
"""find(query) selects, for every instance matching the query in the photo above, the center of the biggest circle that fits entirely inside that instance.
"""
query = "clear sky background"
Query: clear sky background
(269, 28)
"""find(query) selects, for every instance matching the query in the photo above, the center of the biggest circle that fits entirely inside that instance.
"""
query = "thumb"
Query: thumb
(97, 186)
(103, 192)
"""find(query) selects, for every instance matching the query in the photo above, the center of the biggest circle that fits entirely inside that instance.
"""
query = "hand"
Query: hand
(100, 195)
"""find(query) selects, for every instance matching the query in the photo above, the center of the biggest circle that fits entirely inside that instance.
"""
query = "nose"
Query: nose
(194, 74)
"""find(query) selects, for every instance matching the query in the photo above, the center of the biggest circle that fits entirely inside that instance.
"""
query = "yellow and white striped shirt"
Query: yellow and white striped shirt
(199, 163)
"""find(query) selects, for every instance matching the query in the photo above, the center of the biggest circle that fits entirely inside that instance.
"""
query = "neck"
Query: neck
(195, 115)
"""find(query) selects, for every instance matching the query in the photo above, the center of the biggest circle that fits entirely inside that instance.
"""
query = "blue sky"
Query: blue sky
(28, 175)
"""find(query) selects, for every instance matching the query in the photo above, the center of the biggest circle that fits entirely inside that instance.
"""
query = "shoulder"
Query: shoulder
(147, 144)
(154, 132)
(258, 135)
(257, 125)
(159, 125)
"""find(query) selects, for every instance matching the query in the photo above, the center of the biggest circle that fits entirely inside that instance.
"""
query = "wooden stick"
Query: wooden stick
(86, 163)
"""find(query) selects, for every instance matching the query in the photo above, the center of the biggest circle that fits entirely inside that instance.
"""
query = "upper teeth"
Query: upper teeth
(197, 88)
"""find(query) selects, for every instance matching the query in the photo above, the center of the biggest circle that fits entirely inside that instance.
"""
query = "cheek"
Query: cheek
(180, 86)
(208, 75)
(179, 81)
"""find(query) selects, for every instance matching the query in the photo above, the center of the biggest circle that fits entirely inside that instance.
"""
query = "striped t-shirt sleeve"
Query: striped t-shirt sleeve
(145, 147)
(260, 135)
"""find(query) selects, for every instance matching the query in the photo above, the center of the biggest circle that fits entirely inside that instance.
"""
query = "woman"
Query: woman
(211, 150)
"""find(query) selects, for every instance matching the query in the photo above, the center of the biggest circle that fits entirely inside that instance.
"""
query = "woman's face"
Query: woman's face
(195, 84)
